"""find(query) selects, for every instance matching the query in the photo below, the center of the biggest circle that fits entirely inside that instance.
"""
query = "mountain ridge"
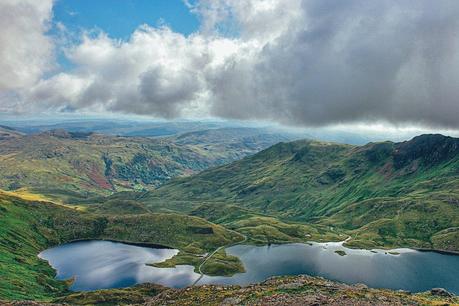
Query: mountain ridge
(291, 192)
(341, 186)
(76, 165)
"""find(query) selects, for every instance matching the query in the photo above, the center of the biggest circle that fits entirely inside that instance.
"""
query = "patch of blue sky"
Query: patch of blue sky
(119, 18)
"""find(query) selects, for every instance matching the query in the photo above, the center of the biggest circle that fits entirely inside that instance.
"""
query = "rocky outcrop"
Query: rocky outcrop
(296, 290)
(286, 290)
(430, 149)
(440, 292)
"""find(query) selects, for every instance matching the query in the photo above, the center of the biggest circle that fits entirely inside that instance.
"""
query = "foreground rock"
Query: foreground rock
(440, 292)
(296, 290)
(291, 290)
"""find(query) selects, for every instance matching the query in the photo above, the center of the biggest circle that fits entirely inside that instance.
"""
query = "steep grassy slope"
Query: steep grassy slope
(384, 194)
(72, 166)
(28, 227)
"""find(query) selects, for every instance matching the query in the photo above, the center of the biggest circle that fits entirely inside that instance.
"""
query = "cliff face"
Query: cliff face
(429, 149)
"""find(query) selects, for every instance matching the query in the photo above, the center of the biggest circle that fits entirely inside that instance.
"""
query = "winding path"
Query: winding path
(227, 246)
(214, 252)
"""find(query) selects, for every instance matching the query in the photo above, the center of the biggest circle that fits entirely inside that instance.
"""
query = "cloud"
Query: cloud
(347, 61)
(25, 51)
(156, 72)
(309, 63)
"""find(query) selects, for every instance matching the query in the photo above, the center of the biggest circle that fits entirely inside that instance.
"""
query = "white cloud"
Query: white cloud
(25, 52)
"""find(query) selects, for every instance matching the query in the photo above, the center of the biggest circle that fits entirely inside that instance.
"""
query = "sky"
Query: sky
(291, 62)
(118, 18)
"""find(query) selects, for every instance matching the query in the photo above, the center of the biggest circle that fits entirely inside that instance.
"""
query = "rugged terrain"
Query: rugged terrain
(382, 194)
(297, 290)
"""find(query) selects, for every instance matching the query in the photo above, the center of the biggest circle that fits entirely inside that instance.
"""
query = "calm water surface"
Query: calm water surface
(104, 264)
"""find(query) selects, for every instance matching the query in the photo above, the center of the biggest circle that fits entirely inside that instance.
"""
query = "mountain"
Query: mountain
(382, 194)
(141, 128)
(7, 132)
(72, 165)
(240, 141)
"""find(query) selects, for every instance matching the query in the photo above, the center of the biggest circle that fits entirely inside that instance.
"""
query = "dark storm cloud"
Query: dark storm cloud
(346, 61)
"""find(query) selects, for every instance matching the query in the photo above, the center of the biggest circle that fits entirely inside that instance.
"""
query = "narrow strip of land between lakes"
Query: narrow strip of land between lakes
(201, 274)
(214, 252)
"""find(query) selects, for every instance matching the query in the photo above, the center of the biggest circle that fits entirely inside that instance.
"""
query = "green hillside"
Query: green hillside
(29, 227)
(74, 166)
(383, 194)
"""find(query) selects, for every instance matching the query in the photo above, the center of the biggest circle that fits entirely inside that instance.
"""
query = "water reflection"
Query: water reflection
(103, 264)
(403, 269)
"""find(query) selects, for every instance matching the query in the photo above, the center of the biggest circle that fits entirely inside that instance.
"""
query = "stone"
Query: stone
(294, 285)
(440, 292)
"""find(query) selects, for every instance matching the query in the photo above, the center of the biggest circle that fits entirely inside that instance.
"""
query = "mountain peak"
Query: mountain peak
(429, 148)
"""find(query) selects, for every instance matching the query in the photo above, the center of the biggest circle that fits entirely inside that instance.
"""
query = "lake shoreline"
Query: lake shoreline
(140, 244)
(439, 251)
(261, 263)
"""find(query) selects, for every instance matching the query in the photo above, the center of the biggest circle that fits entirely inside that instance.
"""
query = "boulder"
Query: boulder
(440, 292)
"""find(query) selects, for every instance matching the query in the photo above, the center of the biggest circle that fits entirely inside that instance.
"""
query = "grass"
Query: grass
(134, 295)
(383, 195)
(297, 290)
(220, 264)
(223, 264)
(182, 258)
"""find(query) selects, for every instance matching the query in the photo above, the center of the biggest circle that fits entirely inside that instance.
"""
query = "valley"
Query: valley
(75, 166)
(29, 227)
(382, 194)
(206, 193)
(229, 152)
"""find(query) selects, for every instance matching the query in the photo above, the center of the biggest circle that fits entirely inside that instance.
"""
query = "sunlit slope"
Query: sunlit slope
(385, 194)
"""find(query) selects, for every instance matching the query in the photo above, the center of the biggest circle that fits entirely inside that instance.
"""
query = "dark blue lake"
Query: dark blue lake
(104, 264)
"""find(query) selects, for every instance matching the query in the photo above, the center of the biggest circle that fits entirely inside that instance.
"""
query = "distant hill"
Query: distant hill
(72, 165)
(7, 132)
(383, 194)
(139, 128)
(241, 141)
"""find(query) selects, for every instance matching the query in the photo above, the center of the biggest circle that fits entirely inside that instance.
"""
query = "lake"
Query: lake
(105, 264)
